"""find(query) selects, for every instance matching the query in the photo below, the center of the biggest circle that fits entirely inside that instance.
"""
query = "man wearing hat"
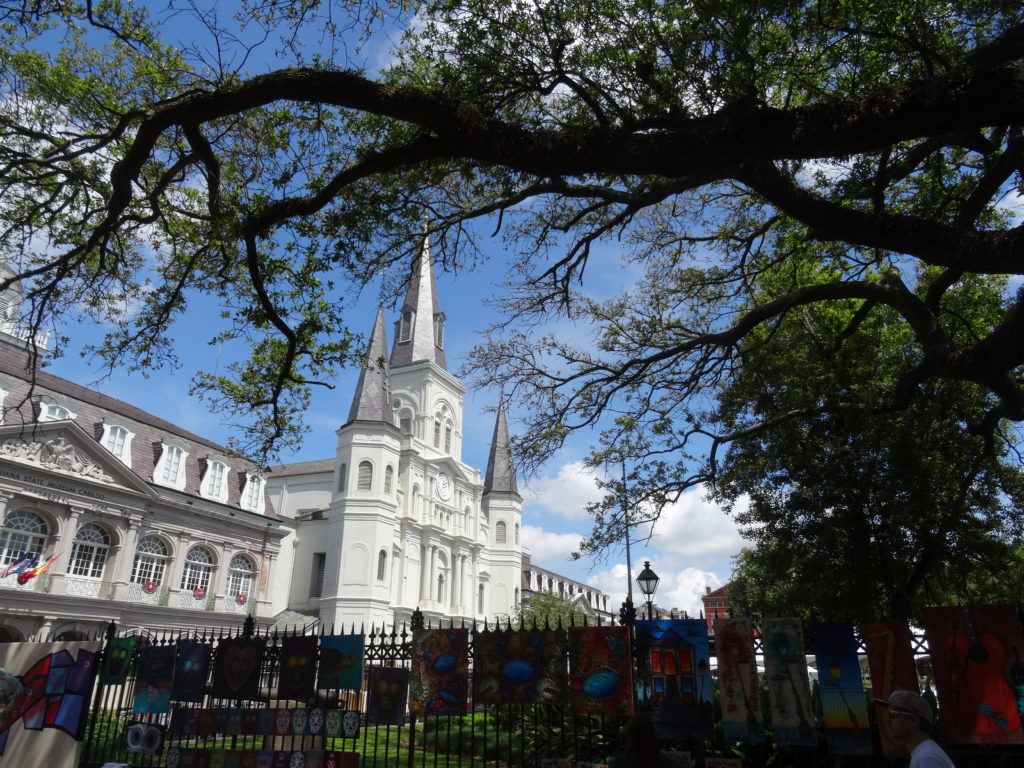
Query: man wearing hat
(910, 723)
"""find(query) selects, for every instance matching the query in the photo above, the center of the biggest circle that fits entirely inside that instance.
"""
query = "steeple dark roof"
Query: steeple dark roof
(420, 306)
(501, 475)
(372, 401)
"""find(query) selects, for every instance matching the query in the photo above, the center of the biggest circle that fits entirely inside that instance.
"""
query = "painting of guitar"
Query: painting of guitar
(972, 654)
(891, 661)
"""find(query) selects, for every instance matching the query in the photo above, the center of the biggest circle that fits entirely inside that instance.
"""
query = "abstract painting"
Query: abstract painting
(678, 691)
(600, 670)
(154, 672)
(844, 708)
(236, 673)
(298, 667)
(440, 672)
(891, 664)
(520, 667)
(47, 718)
(341, 662)
(117, 657)
(742, 718)
(788, 688)
(190, 671)
(978, 655)
(388, 689)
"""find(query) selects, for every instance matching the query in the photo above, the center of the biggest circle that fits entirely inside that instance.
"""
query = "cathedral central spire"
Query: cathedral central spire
(419, 332)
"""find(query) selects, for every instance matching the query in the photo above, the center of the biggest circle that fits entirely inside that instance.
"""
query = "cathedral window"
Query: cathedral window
(389, 479)
(240, 576)
(499, 532)
(343, 478)
(517, 533)
(440, 588)
(170, 469)
(150, 561)
(405, 325)
(316, 581)
(252, 494)
(364, 480)
(439, 330)
(447, 439)
(382, 565)
(437, 434)
(197, 571)
(118, 440)
(89, 552)
(480, 599)
(22, 532)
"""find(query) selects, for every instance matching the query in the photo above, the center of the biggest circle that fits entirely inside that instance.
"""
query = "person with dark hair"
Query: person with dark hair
(641, 749)
(910, 724)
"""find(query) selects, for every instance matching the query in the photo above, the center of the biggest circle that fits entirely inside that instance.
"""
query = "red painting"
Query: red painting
(976, 653)
(600, 670)
(891, 662)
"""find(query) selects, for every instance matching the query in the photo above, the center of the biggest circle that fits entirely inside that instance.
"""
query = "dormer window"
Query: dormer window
(118, 441)
(215, 484)
(439, 330)
(405, 325)
(51, 410)
(170, 469)
(252, 494)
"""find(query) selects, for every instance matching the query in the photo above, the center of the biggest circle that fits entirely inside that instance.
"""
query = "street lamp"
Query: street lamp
(648, 583)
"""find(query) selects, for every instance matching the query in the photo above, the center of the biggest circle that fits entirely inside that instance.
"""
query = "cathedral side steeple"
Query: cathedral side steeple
(372, 401)
(501, 475)
(419, 332)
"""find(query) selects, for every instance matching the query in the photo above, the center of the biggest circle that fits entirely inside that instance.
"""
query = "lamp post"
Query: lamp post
(648, 583)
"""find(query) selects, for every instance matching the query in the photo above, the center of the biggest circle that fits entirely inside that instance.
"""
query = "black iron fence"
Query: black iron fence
(505, 735)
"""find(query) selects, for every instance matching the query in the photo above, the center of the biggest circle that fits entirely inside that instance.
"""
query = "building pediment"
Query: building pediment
(63, 448)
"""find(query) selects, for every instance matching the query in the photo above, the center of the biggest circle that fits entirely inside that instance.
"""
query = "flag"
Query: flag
(27, 560)
(31, 573)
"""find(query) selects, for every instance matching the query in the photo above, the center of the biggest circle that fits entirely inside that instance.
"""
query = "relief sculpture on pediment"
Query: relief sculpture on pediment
(55, 453)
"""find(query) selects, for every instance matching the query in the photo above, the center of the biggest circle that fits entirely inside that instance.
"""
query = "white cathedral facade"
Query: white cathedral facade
(396, 520)
(145, 524)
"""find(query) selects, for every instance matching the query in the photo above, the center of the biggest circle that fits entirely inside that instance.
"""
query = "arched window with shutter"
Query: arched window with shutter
(389, 479)
(499, 532)
(364, 481)
(343, 478)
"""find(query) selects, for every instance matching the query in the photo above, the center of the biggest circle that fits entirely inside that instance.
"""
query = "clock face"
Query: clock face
(444, 485)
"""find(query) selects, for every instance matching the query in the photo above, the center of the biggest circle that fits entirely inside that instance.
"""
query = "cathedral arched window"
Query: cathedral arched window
(447, 439)
(343, 478)
(405, 325)
(389, 479)
(500, 534)
(382, 565)
(517, 533)
(364, 480)
(439, 330)
(437, 434)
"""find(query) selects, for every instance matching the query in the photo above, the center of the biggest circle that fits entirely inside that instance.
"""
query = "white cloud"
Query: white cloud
(680, 589)
(695, 527)
(568, 493)
(549, 549)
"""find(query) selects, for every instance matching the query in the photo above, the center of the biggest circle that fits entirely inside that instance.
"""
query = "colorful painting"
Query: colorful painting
(891, 663)
(978, 657)
(520, 667)
(117, 658)
(298, 668)
(236, 673)
(190, 671)
(600, 670)
(440, 672)
(742, 718)
(47, 717)
(788, 688)
(678, 689)
(341, 662)
(388, 689)
(154, 673)
(844, 709)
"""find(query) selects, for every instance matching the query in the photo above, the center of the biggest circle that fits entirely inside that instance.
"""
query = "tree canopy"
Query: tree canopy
(708, 141)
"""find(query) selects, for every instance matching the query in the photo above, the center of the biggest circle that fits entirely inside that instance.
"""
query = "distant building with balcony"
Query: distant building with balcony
(717, 605)
(588, 599)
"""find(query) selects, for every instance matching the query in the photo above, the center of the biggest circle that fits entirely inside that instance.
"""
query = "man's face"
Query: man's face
(903, 727)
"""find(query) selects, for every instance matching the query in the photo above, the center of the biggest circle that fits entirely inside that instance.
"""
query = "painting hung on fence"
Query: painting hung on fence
(46, 719)
(788, 688)
(387, 689)
(600, 670)
(890, 653)
(341, 662)
(117, 657)
(844, 708)
(236, 673)
(742, 718)
(298, 667)
(678, 687)
(154, 673)
(190, 671)
(976, 652)
(520, 667)
(440, 672)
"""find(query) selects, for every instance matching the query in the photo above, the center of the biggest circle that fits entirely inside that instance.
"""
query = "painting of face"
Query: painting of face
(316, 721)
(332, 722)
(299, 719)
(350, 724)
